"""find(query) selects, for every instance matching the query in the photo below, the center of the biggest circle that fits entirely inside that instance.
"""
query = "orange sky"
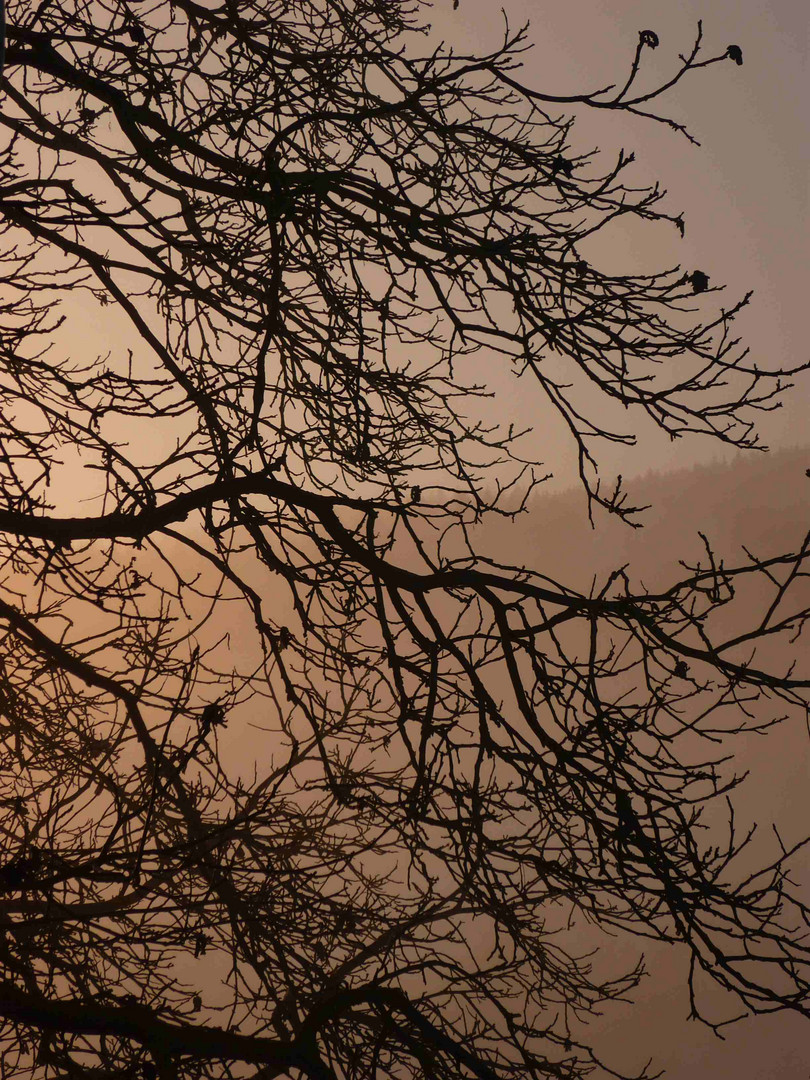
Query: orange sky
(744, 192)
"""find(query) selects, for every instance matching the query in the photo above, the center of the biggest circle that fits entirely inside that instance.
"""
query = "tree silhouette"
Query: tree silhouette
(296, 781)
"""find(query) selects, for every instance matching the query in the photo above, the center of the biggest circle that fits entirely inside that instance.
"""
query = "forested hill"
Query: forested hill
(762, 502)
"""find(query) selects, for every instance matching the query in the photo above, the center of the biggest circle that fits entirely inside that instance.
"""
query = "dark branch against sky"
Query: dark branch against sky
(300, 775)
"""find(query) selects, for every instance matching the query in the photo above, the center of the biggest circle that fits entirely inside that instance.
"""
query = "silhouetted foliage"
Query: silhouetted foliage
(734, 52)
(294, 780)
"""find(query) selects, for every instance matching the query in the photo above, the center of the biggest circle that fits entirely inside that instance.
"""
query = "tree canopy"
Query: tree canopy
(297, 779)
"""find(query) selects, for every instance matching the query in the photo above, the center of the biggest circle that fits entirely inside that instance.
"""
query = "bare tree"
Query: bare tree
(295, 781)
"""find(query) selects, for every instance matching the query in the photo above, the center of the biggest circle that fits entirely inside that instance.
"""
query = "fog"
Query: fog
(762, 503)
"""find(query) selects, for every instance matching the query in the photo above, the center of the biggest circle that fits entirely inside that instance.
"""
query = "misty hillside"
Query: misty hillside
(761, 502)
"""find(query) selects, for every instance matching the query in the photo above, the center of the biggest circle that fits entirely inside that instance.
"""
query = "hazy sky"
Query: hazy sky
(745, 196)
(747, 505)
(744, 190)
